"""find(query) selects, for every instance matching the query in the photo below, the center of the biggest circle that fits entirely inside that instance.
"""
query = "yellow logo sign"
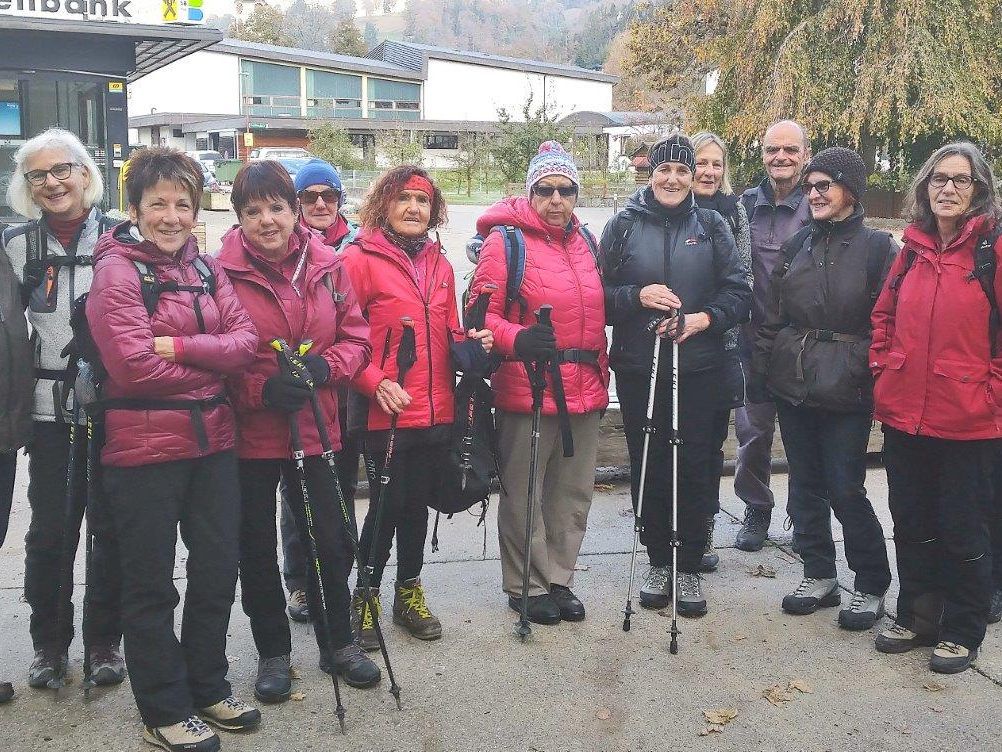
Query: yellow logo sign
(116, 86)
(169, 10)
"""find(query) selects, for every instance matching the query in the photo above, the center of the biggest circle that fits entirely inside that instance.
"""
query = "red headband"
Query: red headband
(418, 183)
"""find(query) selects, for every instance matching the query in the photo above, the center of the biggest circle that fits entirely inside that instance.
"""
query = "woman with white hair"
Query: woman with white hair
(57, 185)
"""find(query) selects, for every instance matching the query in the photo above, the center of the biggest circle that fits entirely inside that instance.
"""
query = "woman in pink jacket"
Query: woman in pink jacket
(936, 357)
(560, 270)
(170, 330)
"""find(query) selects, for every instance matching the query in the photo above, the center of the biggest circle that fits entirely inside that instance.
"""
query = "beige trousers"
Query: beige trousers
(564, 489)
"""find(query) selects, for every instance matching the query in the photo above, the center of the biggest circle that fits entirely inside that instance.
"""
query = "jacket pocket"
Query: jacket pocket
(964, 385)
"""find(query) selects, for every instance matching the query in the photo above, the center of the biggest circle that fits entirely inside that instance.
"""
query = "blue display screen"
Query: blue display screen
(10, 118)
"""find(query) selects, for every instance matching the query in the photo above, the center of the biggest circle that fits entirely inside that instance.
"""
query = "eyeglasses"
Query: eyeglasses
(547, 191)
(821, 187)
(311, 197)
(961, 182)
(59, 171)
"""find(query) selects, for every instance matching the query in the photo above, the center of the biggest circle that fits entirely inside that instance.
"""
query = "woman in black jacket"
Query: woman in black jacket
(811, 354)
(662, 254)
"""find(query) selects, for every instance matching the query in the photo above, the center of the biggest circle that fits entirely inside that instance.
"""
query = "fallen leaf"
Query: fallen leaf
(933, 687)
(581, 567)
(711, 730)
(777, 695)
(801, 686)
(740, 637)
(293, 674)
(297, 696)
(935, 709)
(720, 716)
(604, 487)
(762, 571)
(603, 714)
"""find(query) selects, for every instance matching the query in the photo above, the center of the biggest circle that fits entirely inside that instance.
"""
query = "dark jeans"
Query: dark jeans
(941, 500)
(171, 678)
(827, 455)
(699, 421)
(721, 425)
(260, 585)
(295, 561)
(8, 469)
(405, 503)
(52, 540)
(996, 527)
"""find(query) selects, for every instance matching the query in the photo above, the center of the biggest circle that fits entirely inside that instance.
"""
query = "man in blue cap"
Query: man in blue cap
(320, 198)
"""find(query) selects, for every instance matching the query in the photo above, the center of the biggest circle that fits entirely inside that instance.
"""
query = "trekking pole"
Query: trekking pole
(537, 381)
(675, 442)
(348, 518)
(89, 512)
(298, 455)
(65, 607)
(476, 319)
(649, 430)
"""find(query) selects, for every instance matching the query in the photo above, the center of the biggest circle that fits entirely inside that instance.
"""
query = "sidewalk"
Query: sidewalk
(586, 686)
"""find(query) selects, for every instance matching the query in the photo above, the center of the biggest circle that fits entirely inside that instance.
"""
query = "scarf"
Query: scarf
(411, 246)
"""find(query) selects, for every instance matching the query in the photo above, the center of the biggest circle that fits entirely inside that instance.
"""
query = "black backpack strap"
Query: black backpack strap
(621, 228)
(592, 246)
(105, 223)
(338, 297)
(984, 271)
(876, 259)
(205, 274)
(898, 278)
(748, 200)
(148, 286)
(37, 247)
(791, 248)
(514, 254)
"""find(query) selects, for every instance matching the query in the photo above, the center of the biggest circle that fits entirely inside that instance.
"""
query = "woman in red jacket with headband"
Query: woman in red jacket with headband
(398, 272)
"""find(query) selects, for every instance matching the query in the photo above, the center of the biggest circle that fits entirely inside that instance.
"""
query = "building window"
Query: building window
(441, 141)
(177, 133)
(270, 90)
(394, 100)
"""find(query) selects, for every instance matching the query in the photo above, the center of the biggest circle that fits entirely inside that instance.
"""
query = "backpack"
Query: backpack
(514, 255)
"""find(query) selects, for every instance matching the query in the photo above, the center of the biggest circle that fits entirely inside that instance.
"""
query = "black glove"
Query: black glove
(286, 393)
(470, 357)
(318, 368)
(536, 343)
(756, 392)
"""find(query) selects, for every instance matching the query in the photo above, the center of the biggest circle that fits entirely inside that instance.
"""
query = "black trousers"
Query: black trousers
(413, 481)
(295, 560)
(171, 678)
(53, 537)
(699, 429)
(8, 469)
(941, 500)
(827, 455)
(260, 585)
(996, 527)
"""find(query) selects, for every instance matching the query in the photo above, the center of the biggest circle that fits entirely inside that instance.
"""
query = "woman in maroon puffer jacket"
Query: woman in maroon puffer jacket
(936, 358)
(169, 458)
(294, 288)
(560, 270)
(397, 271)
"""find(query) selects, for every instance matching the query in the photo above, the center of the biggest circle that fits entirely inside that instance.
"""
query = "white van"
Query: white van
(280, 152)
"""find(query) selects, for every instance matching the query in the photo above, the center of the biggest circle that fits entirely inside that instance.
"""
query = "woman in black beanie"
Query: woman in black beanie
(811, 355)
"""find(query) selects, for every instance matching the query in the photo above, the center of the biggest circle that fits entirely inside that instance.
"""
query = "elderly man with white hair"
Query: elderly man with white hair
(57, 185)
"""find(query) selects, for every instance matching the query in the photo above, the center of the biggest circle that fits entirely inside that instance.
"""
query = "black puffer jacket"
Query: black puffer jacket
(691, 251)
(17, 371)
(813, 347)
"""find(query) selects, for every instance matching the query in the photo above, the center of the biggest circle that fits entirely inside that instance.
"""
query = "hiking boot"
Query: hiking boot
(354, 666)
(362, 623)
(951, 658)
(900, 639)
(231, 714)
(691, 602)
(410, 611)
(190, 735)
(298, 609)
(542, 609)
(571, 608)
(863, 611)
(48, 667)
(274, 679)
(711, 560)
(995, 610)
(754, 530)
(656, 590)
(6, 692)
(107, 666)
(811, 594)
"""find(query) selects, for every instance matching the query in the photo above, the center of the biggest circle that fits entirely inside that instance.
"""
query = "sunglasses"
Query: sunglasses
(59, 171)
(821, 187)
(311, 197)
(547, 191)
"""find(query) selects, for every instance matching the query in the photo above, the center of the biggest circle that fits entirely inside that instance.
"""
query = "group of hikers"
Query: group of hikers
(259, 374)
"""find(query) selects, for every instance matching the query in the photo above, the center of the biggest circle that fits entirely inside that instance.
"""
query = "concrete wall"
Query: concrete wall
(204, 82)
(567, 95)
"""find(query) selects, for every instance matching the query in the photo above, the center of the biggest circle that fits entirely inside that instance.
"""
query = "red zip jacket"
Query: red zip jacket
(930, 355)
(559, 270)
(389, 287)
(124, 332)
(338, 331)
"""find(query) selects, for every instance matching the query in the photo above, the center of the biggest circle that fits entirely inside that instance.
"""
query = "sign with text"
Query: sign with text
(150, 12)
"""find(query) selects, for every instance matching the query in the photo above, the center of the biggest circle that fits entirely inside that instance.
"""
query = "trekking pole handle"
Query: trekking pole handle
(543, 315)
(289, 363)
(407, 350)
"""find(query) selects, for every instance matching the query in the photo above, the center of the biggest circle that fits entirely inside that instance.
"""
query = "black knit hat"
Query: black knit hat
(843, 165)
(674, 148)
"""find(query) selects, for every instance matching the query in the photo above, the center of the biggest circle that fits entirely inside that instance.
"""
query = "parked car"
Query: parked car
(279, 152)
(207, 158)
(292, 165)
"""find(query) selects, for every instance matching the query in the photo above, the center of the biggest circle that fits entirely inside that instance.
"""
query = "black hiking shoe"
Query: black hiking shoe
(48, 667)
(754, 530)
(691, 601)
(274, 679)
(995, 611)
(710, 560)
(863, 611)
(811, 594)
(656, 590)
(107, 666)
(542, 608)
(571, 609)
(298, 609)
(6, 692)
(355, 667)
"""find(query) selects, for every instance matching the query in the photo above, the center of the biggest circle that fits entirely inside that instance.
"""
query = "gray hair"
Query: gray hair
(984, 202)
(19, 192)
(705, 138)
(803, 132)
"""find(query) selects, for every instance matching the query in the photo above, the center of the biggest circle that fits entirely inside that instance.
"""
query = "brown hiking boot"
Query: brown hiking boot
(411, 612)
(362, 623)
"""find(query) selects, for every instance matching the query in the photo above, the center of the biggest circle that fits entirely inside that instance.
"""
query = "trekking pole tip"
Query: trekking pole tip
(395, 691)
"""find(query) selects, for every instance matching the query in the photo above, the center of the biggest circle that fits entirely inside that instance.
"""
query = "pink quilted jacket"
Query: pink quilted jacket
(559, 270)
